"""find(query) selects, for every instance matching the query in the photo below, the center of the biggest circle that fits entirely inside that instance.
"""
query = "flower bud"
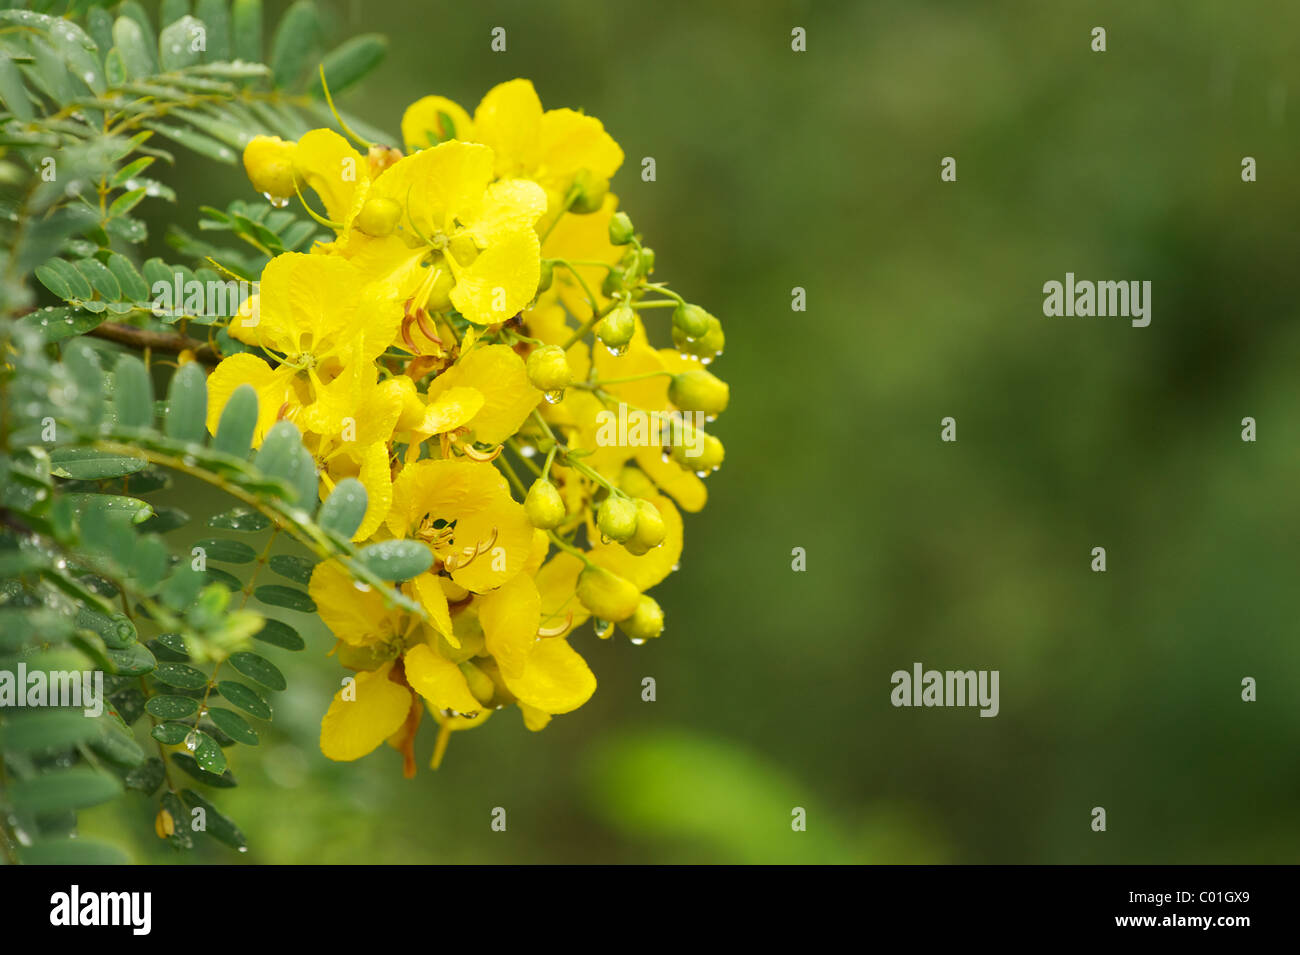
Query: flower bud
(691, 319)
(650, 529)
(378, 217)
(543, 505)
(620, 229)
(646, 622)
(709, 458)
(548, 369)
(607, 595)
(698, 390)
(547, 275)
(708, 346)
(613, 283)
(268, 160)
(591, 190)
(647, 260)
(617, 517)
(617, 328)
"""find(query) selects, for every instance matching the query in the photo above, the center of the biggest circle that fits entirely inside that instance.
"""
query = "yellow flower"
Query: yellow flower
(458, 221)
(463, 510)
(316, 318)
(552, 148)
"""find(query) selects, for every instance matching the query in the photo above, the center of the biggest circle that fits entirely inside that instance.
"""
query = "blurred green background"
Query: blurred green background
(821, 170)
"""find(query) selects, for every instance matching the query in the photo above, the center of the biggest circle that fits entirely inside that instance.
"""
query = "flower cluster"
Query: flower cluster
(478, 315)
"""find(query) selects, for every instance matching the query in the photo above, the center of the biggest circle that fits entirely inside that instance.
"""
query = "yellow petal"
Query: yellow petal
(502, 377)
(501, 281)
(337, 172)
(453, 408)
(422, 127)
(356, 617)
(271, 384)
(570, 141)
(428, 590)
(508, 119)
(510, 617)
(353, 728)
(439, 681)
(534, 719)
(376, 476)
(436, 185)
(688, 490)
(557, 584)
(556, 679)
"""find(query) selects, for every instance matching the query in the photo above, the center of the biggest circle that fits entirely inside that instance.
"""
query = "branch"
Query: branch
(173, 342)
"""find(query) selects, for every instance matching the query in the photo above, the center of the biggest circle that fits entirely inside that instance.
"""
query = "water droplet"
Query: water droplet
(603, 627)
(618, 351)
(89, 77)
(677, 567)
(706, 361)
(702, 474)
(275, 201)
(528, 450)
(361, 586)
(192, 741)
(554, 397)
(637, 641)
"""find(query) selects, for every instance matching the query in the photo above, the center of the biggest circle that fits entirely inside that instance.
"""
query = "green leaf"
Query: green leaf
(146, 777)
(247, 30)
(250, 701)
(12, 90)
(49, 729)
(344, 508)
(58, 324)
(180, 674)
(201, 144)
(91, 464)
(135, 660)
(137, 509)
(187, 762)
(75, 788)
(279, 634)
(174, 644)
(297, 569)
(278, 455)
(181, 837)
(166, 519)
(177, 43)
(295, 38)
(234, 726)
(238, 421)
(72, 852)
(98, 275)
(126, 202)
(288, 597)
(133, 286)
(397, 559)
(170, 707)
(351, 61)
(129, 172)
(240, 519)
(135, 51)
(207, 753)
(116, 745)
(227, 551)
(219, 827)
(133, 393)
(171, 734)
(259, 669)
(187, 404)
(63, 280)
(216, 14)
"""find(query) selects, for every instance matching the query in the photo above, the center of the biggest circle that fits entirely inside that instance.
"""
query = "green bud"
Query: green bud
(591, 192)
(547, 276)
(647, 260)
(646, 622)
(613, 283)
(607, 595)
(709, 458)
(548, 369)
(620, 229)
(617, 517)
(543, 505)
(617, 328)
(692, 320)
(708, 346)
(650, 529)
(697, 390)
